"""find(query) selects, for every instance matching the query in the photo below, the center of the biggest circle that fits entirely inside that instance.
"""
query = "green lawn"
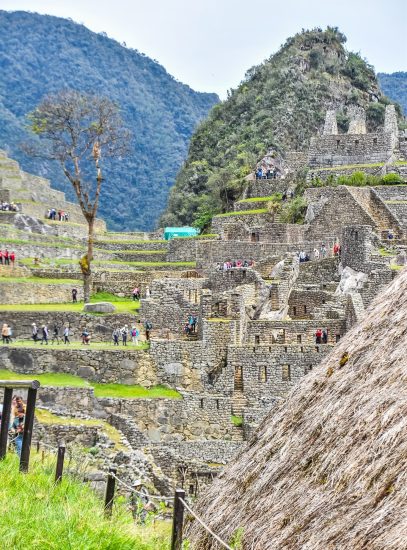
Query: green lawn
(77, 345)
(39, 280)
(41, 515)
(122, 305)
(243, 213)
(275, 197)
(101, 390)
(29, 262)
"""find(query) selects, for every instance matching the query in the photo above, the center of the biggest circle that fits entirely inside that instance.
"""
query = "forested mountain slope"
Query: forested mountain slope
(41, 54)
(280, 103)
(395, 86)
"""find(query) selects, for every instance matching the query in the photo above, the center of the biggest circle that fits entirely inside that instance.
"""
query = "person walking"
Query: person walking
(12, 258)
(148, 327)
(55, 335)
(325, 336)
(124, 332)
(323, 251)
(316, 254)
(6, 257)
(115, 336)
(136, 294)
(5, 334)
(140, 502)
(318, 336)
(45, 334)
(135, 333)
(34, 332)
(74, 295)
(66, 335)
(148, 293)
(18, 428)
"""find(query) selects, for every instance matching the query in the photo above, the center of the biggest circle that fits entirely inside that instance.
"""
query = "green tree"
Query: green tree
(78, 131)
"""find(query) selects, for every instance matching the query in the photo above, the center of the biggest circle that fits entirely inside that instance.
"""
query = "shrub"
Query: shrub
(294, 211)
(391, 179)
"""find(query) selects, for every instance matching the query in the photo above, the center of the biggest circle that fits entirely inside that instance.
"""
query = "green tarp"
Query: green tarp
(172, 232)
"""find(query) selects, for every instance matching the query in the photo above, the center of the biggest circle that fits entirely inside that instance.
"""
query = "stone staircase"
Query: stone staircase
(376, 209)
(239, 402)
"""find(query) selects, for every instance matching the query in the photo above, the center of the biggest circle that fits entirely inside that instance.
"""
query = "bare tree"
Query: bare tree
(80, 130)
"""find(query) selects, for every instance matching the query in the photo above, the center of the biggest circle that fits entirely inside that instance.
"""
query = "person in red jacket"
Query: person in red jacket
(1, 257)
(6, 257)
(318, 336)
(12, 258)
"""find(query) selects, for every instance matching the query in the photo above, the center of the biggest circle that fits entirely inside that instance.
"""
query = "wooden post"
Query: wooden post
(28, 429)
(38, 446)
(177, 520)
(5, 421)
(60, 462)
(110, 488)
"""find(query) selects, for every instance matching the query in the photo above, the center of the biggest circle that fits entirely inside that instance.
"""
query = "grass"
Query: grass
(46, 417)
(129, 241)
(38, 280)
(77, 345)
(385, 252)
(46, 516)
(29, 262)
(203, 236)
(396, 267)
(133, 252)
(243, 213)
(219, 320)
(123, 391)
(122, 305)
(236, 420)
(275, 197)
(44, 244)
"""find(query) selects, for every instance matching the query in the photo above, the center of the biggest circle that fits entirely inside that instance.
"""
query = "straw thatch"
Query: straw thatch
(328, 468)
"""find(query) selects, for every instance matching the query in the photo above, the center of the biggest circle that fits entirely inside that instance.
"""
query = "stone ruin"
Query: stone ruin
(256, 332)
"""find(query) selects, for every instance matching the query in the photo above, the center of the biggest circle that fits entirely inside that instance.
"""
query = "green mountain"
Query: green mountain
(280, 103)
(394, 85)
(40, 54)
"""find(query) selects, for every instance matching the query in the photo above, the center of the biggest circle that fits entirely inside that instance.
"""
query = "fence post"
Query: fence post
(177, 520)
(110, 487)
(5, 421)
(60, 462)
(28, 429)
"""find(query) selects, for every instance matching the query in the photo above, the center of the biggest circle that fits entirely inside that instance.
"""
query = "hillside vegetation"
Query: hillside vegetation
(280, 103)
(395, 86)
(39, 515)
(40, 54)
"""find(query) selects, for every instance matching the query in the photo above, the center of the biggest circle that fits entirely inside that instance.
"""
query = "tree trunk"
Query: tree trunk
(87, 274)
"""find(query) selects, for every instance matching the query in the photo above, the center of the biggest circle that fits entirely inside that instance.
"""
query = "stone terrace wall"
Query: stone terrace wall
(258, 227)
(36, 293)
(99, 326)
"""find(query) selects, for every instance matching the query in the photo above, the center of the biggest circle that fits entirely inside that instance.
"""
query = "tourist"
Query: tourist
(5, 334)
(323, 250)
(390, 235)
(85, 337)
(259, 173)
(115, 336)
(124, 333)
(135, 333)
(336, 249)
(140, 502)
(66, 335)
(44, 338)
(316, 254)
(74, 295)
(1, 257)
(55, 335)
(187, 329)
(18, 428)
(12, 258)
(148, 292)
(302, 256)
(136, 294)
(318, 336)
(34, 332)
(148, 327)
(325, 336)
(6, 257)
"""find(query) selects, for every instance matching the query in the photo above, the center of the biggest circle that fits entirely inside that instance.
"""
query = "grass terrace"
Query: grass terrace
(243, 213)
(38, 280)
(129, 241)
(122, 305)
(46, 417)
(119, 391)
(275, 197)
(60, 262)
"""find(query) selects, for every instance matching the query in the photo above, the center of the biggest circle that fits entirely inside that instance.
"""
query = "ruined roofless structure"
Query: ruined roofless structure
(357, 146)
(328, 468)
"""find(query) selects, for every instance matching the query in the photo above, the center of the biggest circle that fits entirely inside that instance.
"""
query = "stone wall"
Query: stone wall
(37, 293)
(341, 149)
(265, 332)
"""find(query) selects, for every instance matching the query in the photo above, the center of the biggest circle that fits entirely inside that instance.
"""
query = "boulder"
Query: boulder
(100, 307)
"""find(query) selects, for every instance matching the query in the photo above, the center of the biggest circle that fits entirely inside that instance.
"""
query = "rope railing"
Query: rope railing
(208, 529)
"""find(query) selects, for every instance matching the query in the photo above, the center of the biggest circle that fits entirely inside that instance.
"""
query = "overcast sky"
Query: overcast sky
(209, 44)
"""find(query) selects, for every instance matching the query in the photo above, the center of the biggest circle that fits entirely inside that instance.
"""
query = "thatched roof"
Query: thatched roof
(328, 468)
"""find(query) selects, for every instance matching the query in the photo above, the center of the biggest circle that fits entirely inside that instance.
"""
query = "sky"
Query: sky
(210, 44)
